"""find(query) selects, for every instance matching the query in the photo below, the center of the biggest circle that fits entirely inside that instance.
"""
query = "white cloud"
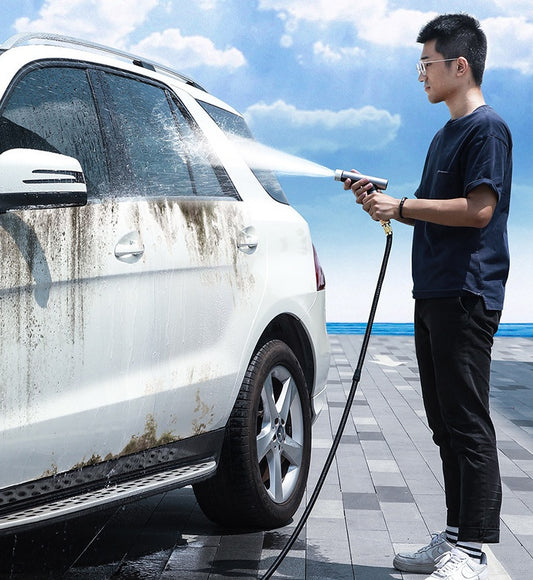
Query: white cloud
(207, 4)
(510, 40)
(112, 22)
(332, 55)
(109, 22)
(326, 53)
(184, 52)
(286, 41)
(376, 22)
(296, 130)
(515, 7)
(323, 10)
(394, 28)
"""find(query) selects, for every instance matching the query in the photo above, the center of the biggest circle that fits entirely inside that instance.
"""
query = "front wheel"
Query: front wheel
(264, 463)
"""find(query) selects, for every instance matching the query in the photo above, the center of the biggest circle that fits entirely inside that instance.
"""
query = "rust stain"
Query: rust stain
(51, 471)
(93, 460)
(200, 424)
(148, 439)
(136, 444)
(201, 220)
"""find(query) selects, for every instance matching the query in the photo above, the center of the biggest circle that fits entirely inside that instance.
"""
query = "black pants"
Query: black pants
(453, 338)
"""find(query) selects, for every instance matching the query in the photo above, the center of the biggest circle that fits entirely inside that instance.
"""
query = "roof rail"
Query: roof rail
(26, 38)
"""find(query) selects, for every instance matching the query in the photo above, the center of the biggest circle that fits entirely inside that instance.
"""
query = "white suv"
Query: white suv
(162, 318)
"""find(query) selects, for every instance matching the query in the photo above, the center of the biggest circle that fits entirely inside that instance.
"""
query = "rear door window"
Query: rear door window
(164, 152)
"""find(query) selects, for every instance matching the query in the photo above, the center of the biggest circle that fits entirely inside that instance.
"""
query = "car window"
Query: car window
(233, 124)
(52, 108)
(164, 153)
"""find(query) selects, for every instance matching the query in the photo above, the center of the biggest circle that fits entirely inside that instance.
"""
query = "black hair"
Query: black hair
(458, 35)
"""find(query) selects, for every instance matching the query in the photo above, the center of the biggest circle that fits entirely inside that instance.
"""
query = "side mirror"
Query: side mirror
(32, 179)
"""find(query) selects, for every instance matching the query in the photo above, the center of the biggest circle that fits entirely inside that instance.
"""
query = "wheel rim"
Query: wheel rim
(280, 434)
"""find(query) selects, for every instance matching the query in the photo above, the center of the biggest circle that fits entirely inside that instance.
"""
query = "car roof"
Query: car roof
(27, 39)
(45, 38)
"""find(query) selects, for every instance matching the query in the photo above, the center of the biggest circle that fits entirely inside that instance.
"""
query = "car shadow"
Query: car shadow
(138, 540)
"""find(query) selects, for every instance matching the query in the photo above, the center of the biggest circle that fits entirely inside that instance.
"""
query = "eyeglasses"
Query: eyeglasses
(421, 64)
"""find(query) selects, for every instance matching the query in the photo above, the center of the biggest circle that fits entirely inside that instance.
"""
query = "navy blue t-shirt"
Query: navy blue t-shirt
(451, 261)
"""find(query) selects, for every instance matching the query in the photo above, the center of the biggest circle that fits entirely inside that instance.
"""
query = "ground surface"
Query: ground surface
(383, 492)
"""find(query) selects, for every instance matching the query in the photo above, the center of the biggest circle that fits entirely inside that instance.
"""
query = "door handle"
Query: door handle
(129, 248)
(247, 241)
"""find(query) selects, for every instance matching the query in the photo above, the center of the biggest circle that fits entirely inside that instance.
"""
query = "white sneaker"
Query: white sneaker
(456, 565)
(423, 561)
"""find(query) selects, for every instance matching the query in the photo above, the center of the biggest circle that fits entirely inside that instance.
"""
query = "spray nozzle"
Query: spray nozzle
(377, 182)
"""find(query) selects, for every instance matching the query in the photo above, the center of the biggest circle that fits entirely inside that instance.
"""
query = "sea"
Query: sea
(406, 328)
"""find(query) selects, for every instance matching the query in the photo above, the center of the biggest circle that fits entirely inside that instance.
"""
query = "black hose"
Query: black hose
(347, 409)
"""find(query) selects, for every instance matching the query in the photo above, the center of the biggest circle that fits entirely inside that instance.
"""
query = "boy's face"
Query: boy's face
(440, 80)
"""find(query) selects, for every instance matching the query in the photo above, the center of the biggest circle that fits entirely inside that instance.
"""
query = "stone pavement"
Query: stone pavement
(383, 493)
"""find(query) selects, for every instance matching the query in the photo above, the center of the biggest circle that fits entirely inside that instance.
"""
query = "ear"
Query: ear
(462, 65)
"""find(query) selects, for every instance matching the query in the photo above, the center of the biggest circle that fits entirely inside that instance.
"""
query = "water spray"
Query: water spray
(260, 156)
(378, 183)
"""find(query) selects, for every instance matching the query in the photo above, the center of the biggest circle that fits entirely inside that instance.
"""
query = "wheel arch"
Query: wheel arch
(289, 329)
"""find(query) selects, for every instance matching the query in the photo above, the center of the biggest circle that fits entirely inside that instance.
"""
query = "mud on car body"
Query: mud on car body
(162, 306)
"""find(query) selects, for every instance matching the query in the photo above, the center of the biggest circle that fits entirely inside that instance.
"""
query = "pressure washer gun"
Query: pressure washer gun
(377, 183)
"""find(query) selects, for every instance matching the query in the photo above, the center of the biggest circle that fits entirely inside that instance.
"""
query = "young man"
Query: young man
(460, 265)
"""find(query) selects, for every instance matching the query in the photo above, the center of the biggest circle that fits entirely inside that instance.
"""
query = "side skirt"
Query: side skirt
(111, 482)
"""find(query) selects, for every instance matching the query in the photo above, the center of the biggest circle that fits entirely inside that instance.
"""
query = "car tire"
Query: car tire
(263, 469)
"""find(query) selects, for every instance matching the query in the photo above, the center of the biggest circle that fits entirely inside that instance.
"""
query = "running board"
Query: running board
(117, 493)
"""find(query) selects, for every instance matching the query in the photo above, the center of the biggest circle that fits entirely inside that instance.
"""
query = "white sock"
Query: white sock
(473, 549)
(452, 534)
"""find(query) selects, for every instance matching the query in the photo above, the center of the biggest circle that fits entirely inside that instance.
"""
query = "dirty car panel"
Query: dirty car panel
(139, 279)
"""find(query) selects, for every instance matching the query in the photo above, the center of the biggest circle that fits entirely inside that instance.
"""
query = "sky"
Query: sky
(333, 82)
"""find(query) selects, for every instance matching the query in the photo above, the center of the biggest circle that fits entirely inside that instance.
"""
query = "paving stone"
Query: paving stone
(382, 494)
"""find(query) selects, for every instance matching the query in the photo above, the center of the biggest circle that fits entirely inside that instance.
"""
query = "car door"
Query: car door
(203, 243)
(112, 314)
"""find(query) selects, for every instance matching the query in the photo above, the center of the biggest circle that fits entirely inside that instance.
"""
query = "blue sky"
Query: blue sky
(332, 81)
